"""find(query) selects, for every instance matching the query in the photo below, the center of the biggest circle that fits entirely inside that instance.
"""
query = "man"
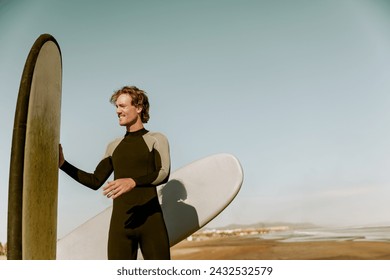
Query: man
(140, 161)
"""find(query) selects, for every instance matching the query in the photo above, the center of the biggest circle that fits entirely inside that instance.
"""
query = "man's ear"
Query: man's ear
(139, 109)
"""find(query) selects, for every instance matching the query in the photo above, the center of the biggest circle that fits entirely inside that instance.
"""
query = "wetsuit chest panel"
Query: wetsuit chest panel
(132, 158)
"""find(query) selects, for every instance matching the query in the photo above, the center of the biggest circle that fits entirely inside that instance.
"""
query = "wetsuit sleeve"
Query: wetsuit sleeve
(92, 180)
(162, 162)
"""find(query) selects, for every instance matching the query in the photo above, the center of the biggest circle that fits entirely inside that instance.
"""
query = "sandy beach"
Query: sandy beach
(237, 248)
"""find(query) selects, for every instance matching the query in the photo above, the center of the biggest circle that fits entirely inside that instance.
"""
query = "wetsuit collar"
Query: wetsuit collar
(139, 132)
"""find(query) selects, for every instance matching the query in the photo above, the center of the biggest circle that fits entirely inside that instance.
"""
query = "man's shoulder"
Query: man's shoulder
(154, 138)
(112, 145)
(156, 134)
(115, 141)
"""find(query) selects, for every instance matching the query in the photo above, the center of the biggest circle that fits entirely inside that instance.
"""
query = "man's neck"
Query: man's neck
(135, 127)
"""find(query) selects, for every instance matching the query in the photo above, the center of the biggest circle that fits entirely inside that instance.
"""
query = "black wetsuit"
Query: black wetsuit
(136, 217)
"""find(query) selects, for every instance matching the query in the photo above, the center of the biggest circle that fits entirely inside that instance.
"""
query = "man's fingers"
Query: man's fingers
(118, 187)
(112, 193)
(117, 194)
(109, 185)
(109, 188)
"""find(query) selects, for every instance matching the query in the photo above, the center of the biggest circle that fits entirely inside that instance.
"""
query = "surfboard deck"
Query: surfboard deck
(33, 183)
(194, 195)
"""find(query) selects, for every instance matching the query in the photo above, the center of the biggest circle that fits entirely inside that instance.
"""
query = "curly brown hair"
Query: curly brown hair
(138, 99)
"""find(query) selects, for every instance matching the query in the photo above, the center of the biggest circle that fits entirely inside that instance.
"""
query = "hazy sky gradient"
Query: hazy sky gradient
(298, 90)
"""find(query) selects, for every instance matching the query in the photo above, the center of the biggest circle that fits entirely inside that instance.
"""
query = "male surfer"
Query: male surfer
(140, 161)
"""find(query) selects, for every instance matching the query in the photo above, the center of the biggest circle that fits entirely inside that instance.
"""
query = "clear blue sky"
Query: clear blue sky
(298, 91)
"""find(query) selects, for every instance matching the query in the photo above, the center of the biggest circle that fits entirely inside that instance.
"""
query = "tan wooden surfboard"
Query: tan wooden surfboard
(33, 184)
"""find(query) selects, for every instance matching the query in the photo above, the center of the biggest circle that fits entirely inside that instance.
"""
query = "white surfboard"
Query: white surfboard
(194, 195)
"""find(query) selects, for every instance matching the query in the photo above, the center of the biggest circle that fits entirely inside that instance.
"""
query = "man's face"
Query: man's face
(128, 114)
